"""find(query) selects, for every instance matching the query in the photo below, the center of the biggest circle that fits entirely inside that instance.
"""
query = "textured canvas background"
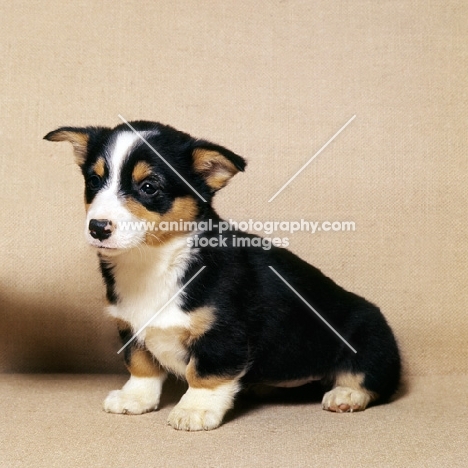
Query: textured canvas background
(273, 81)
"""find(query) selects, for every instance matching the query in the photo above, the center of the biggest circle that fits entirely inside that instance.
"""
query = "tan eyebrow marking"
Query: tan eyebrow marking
(99, 166)
(141, 171)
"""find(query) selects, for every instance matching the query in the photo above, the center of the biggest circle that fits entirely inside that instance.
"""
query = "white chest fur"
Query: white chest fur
(146, 278)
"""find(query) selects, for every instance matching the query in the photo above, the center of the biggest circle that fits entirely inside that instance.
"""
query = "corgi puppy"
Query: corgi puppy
(220, 316)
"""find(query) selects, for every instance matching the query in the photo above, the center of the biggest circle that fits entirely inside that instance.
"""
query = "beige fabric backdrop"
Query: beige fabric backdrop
(273, 81)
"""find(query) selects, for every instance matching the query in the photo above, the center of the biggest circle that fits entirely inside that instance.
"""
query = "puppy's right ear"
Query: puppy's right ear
(78, 137)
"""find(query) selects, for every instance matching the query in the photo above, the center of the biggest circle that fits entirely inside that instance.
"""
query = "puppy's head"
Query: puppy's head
(134, 181)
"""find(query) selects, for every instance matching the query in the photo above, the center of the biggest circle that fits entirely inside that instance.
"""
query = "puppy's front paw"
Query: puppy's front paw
(193, 419)
(138, 396)
(345, 399)
(203, 409)
(120, 401)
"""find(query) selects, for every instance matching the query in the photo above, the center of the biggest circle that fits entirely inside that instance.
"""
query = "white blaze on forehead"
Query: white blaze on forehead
(119, 152)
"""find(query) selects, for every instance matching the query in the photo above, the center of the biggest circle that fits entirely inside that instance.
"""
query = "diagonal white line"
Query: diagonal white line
(312, 158)
(312, 309)
(158, 154)
(161, 309)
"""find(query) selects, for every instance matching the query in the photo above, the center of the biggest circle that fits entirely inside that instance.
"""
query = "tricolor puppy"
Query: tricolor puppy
(236, 322)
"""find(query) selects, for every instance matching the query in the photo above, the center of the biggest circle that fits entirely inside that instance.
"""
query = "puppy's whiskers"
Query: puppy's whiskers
(151, 234)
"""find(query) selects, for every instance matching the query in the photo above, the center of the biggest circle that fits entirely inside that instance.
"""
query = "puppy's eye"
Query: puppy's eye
(148, 188)
(94, 182)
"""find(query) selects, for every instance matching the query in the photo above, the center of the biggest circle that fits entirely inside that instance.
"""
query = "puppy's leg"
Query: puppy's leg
(348, 394)
(142, 391)
(206, 401)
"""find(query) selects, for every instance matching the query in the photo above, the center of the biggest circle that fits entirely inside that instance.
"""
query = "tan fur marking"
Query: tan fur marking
(142, 362)
(210, 383)
(79, 141)
(141, 171)
(201, 320)
(184, 208)
(99, 167)
(214, 167)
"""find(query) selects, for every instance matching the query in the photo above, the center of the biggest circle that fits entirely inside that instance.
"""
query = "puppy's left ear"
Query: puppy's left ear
(215, 163)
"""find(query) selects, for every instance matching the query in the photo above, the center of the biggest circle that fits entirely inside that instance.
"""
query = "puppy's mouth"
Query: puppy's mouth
(103, 247)
(106, 251)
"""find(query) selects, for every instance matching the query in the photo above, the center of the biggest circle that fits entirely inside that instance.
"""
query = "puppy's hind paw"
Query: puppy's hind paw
(345, 400)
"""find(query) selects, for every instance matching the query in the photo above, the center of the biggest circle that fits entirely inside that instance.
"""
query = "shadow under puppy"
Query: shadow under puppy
(236, 322)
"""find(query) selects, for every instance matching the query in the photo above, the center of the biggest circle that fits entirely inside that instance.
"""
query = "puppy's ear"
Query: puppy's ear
(215, 163)
(78, 137)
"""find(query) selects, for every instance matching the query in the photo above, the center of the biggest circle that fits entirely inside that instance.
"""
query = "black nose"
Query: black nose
(100, 229)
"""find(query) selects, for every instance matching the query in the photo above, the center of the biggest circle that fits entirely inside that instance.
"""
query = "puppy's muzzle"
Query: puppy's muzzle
(100, 229)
